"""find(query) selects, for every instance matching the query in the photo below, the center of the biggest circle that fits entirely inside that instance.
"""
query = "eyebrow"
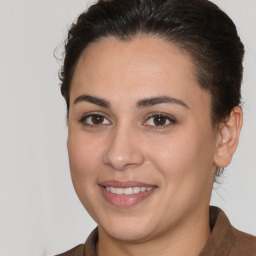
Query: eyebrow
(94, 100)
(140, 104)
(160, 100)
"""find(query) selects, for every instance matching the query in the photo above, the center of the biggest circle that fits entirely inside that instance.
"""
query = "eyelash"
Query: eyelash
(169, 118)
(91, 115)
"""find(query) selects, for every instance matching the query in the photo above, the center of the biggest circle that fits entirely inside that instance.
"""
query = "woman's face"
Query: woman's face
(141, 144)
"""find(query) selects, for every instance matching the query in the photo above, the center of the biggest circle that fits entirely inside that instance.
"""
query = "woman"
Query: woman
(153, 92)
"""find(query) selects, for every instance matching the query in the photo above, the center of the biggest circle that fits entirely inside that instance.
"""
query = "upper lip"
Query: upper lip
(124, 184)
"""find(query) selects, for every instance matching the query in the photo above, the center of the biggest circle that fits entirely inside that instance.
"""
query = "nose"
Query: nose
(124, 149)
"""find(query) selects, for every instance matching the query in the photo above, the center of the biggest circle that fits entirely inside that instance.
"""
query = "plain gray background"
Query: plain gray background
(39, 211)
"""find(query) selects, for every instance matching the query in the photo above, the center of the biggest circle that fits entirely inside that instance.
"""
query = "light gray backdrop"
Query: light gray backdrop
(39, 211)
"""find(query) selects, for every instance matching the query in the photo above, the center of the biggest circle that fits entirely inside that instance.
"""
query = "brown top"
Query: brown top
(225, 240)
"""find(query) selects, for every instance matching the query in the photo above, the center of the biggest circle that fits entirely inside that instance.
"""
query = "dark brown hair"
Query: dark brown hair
(198, 27)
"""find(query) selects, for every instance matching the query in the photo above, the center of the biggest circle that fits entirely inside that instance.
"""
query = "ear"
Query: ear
(228, 137)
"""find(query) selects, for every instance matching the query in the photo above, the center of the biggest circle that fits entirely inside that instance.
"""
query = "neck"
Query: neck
(189, 238)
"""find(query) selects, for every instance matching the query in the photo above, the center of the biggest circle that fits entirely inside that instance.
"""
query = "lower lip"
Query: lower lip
(125, 201)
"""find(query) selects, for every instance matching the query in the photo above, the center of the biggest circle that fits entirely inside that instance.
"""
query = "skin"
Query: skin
(179, 157)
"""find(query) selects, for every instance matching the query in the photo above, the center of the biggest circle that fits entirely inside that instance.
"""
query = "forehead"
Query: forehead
(141, 67)
(136, 55)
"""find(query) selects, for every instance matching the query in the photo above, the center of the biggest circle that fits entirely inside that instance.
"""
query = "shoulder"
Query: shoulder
(76, 251)
(225, 240)
(87, 249)
(244, 244)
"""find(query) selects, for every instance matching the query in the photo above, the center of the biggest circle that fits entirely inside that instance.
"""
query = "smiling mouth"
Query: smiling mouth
(125, 194)
(128, 191)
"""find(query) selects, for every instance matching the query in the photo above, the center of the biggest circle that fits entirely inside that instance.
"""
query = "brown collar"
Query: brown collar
(225, 240)
(222, 237)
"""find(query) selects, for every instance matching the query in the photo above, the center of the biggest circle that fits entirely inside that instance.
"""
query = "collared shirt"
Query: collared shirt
(225, 240)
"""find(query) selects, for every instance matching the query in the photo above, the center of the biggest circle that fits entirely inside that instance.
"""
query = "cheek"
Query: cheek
(84, 159)
(183, 157)
(84, 154)
(185, 164)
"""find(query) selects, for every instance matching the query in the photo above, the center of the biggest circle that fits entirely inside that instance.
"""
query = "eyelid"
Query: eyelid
(90, 114)
(169, 117)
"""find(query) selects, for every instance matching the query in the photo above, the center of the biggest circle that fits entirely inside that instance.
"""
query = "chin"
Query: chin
(130, 229)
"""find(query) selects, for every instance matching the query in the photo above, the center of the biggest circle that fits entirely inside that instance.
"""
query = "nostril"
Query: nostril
(123, 165)
(122, 152)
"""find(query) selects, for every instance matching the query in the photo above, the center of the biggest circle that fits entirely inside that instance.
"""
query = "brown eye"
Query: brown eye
(159, 121)
(95, 120)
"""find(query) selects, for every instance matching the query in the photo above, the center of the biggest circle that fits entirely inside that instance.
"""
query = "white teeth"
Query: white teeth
(136, 190)
(128, 191)
(119, 191)
(142, 189)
